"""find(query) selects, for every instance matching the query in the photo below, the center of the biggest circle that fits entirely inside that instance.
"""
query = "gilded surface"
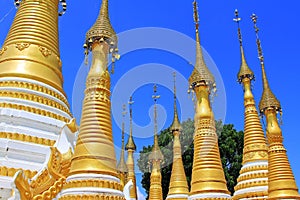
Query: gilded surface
(122, 167)
(155, 191)
(131, 147)
(282, 184)
(9, 171)
(49, 182)
(207, 175)
(34, 110)
(178, 182)
(94, 151)
(34, 87)
(201, 72)
(27, 138)
(102, 27)
(131, 173)
(36, 46)
(255, 146)
(92, 197)
(281, 180)
(155, 159)
(35, 98)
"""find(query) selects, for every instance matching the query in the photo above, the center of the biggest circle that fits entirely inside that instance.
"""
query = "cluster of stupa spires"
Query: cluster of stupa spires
(92, 171)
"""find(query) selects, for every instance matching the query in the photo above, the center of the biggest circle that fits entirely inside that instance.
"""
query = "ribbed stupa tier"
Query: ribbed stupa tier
(281, 181)
(253, 178)
(155, 158)
(178, 188)
(155, 191)
(93, 167)
(33, 105)
(131, 174)
(208, 179)
(31, 46)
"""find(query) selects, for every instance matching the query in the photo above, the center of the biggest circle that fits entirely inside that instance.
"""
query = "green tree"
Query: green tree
(231, 151)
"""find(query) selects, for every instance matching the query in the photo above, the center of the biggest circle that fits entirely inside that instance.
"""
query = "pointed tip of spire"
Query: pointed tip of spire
(175, 124)
(245, 71)
(156, 153)
(102, 28)
(122, 167)
(201, 73)
(268, 99)
(130, 143)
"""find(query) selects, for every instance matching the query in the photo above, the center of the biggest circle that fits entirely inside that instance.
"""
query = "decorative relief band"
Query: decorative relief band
(253, 176)
(3, 50)
(6, 171)
(22, 46)
(251, 184)
(253, 195)
(27, 138)
(254, 168)
(92, 197)
(46, 52)
(94, 183)
(35, 98)
(35, 87)
(52, 191)
(35, 111)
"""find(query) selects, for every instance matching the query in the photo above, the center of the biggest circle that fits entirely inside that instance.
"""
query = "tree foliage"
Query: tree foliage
(231, 151)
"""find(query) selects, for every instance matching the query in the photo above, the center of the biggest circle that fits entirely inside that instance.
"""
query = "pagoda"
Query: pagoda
(208, 179)
(37, 130)
(253, 178)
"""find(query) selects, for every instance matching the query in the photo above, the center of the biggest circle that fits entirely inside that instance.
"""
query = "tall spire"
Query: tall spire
(176, 124)
(178, 188)
(201, 72)
(245, 71)
(121, 167)
(31, 51)
(281, 180)
(94, 162)
(208, 179)
(130, 144)
(131, 147)
(155, 158)
(253, 178)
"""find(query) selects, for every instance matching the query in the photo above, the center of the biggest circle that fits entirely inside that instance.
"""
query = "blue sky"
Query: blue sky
(151, 55)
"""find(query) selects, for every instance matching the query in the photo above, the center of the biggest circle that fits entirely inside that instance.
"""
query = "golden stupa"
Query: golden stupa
(122, 167)
(155, 159)
(131, 147)
(208, 179)
(281, 181)
(38, 131)
(93, 173)
(253, 178)
(178, 188)
(39, 158)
